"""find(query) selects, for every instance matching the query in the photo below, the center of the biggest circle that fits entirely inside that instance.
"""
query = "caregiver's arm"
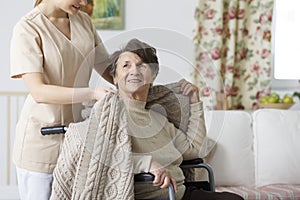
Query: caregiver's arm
(54, 94)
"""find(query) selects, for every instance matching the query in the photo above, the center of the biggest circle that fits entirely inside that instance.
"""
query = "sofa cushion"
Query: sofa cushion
(270, 192)
(233, 159)
(276, 146)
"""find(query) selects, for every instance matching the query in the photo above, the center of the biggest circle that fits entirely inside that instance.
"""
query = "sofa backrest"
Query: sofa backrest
(277, 146)
(233, 158)
(255, 148)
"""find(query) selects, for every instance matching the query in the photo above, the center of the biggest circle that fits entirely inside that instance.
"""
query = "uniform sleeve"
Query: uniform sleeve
(25, 52)
(194, 143)
(101, 54)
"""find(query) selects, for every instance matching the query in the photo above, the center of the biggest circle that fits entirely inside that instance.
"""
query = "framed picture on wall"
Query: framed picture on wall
(106, 14)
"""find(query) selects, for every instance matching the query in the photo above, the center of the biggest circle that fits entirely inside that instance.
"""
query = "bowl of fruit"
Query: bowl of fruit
(275, 101)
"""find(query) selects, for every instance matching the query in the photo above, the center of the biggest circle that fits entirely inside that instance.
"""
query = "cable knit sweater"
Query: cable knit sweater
(120, 138)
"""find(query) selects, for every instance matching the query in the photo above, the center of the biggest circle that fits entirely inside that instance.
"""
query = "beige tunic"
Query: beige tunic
(38, 46)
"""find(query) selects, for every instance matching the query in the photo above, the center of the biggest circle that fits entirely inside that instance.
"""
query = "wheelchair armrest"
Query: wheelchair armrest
(148, 178)
(143, 178)
(191, 163)
(199, 163)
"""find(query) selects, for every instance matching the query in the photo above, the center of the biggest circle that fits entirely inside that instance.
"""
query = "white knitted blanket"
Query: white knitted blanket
(95, 161)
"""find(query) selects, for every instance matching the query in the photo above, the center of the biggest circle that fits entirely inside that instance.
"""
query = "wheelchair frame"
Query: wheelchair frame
(147, 178)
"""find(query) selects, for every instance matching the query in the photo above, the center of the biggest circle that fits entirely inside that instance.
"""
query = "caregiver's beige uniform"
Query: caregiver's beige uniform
(38, 46)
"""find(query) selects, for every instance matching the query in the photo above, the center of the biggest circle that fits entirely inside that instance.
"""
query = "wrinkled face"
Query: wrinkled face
(132, 75)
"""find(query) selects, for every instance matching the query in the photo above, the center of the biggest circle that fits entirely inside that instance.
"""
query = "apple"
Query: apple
(287, 99)
(264, 99)
(272, 99)
(275, 95)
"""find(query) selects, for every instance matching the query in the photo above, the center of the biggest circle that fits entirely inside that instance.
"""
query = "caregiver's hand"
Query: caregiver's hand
(101, 91)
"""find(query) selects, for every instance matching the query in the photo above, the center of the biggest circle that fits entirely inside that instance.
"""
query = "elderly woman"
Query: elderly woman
(161, 145)
(127, 134)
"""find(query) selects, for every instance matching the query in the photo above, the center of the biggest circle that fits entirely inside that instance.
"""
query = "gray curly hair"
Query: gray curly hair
(146, 52)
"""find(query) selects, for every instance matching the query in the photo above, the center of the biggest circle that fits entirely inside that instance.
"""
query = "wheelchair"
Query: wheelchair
(147, 178)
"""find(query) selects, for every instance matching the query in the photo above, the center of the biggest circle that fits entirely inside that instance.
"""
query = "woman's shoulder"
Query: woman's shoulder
(84, 18)
(29, 18)
(83, 15)
(31, 15)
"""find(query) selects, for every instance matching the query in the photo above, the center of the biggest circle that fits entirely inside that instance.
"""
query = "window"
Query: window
(286, 45)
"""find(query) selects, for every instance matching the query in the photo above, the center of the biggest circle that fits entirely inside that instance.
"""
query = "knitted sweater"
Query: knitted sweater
(155, 138)
(97, 161)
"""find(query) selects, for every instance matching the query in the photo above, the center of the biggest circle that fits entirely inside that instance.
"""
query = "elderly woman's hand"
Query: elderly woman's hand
(190, 90)
(162, 177)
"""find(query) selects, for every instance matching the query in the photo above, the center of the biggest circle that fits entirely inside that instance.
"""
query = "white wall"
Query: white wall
(11, 12)
(168, 25)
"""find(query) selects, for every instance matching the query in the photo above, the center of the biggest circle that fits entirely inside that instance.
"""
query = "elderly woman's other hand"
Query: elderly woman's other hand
(162, 177)
(190, 90)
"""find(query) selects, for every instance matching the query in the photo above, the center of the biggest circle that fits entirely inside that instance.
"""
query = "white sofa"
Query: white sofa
(257, 153)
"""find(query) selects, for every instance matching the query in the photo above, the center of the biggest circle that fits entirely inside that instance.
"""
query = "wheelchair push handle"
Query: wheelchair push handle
(54, 130)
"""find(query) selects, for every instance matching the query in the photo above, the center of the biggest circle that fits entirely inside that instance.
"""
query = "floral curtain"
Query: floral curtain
(233, 51)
